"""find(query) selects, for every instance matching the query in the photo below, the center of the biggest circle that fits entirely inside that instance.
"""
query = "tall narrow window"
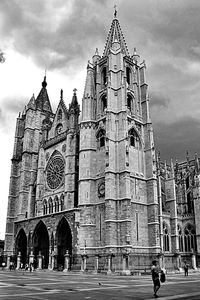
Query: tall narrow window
(128, 75)
(129, 101)
(132, 137)
(101, 138)
(137, 226)
(180, 239)
(165, 237)
(104, 102)
(104, 76)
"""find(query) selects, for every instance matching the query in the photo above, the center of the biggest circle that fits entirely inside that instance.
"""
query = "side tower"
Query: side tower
(22, 191)
(117, 179)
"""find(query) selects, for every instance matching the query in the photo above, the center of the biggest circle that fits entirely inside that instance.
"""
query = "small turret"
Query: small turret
(42, 101)
(32, 103)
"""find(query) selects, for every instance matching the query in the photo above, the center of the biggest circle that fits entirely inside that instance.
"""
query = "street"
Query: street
(18, 285)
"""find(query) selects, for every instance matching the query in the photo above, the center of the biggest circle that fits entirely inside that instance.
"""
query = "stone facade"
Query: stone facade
(86, 190)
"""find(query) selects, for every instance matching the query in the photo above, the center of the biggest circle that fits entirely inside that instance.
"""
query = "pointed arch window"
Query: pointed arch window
(104, 76)
(133, 138)
(128, 75)
(56, 204)
(190, 238)
(101, 138)
(165, 237)
(61, 202)
(59, 115)
(50, 206)
(180, 238)
(45, 208)
(129, 102)
(103, 103)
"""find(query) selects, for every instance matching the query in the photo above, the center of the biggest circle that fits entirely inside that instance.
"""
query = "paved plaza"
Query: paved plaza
(18, 285)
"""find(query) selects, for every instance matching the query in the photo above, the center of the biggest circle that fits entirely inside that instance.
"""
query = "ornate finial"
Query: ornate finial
(44, 83)
(115, 12)
(61, 94)
(75, 90)
(96, 52)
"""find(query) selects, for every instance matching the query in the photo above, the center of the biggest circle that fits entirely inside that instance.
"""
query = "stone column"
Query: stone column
(109, 264)
(96, 267)
(67, 261)
(39, 257)
(194, 265)
(18, 261)
(84, 262)
(31, 258)
(8, 262)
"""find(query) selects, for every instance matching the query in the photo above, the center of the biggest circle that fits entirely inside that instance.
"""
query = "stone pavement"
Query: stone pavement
(51, 285)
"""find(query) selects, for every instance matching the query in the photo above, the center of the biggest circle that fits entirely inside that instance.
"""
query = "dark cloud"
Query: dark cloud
(54, 34)
(157, 99)
(174, 139)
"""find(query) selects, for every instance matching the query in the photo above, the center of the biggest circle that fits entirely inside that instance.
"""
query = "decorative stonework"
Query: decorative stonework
(55, 172)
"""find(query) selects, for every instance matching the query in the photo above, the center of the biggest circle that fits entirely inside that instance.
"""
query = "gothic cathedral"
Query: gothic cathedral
(87, 191)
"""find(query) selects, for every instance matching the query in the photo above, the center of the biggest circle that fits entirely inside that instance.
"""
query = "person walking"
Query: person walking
(186, 268)
(155, 277)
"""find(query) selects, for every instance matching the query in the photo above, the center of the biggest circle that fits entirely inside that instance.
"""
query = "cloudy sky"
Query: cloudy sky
(61, 36)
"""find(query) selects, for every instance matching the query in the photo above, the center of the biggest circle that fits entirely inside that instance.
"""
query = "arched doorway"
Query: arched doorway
(64, 241)
(21, 246)
(41, 243)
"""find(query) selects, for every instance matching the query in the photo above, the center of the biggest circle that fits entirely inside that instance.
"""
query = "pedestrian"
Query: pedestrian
(155, 277)
(186, 268)
(31, 267)
(26, 267)
(3, 265)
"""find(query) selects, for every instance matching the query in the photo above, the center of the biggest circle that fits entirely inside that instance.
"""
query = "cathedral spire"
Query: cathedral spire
(115, 34)
(42, 101)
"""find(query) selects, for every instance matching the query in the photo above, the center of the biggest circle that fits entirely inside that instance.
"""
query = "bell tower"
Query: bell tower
(117, 182)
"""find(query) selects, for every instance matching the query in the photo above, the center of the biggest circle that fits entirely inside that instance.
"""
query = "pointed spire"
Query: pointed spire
(115, 34)
(31, 103)
(74, 98)
(42, 101)
(89, 83)
(61, 94)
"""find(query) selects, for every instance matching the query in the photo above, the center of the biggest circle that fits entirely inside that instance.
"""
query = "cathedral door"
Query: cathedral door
(21, 246)
(64, 241)
(41, 244)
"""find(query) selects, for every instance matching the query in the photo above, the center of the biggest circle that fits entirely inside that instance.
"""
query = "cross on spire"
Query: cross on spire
(115, 12)
(74, 90)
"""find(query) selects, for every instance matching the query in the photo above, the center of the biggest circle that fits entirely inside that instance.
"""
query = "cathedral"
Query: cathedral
(87, 190)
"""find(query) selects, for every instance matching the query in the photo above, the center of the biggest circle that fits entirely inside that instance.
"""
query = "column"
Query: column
(18, 261)
(67, 261)
(194, 265)
(39, 257)
(109, 264)
(84, 262)
(96, 267)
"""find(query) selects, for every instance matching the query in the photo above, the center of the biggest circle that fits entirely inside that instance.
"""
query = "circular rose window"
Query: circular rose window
(55, 172)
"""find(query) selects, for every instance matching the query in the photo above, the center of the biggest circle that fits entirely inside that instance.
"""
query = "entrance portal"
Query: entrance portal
(21, 246)
(41, 244)
(64, 241)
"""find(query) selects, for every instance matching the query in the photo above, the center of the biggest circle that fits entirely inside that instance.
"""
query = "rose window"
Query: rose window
(55, 172)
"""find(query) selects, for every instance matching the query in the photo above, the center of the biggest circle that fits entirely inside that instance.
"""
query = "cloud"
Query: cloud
(53, 33)
(174, 139)
(158, 99)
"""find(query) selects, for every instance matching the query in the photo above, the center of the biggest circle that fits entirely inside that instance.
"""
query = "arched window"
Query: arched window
(165, 237)
(133, 137)
(180, 239)
(101, 138)
(129, 102)
(50, 206)
(190, 238)
(104, 76)
(45, 207)
(59, 129)
(59, 115)
(103, 102)
(128, 75)
(56, 204)
(61, 202)
(163, 196)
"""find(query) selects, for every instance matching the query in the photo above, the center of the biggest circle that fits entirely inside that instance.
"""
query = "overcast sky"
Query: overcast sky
(61, 36)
